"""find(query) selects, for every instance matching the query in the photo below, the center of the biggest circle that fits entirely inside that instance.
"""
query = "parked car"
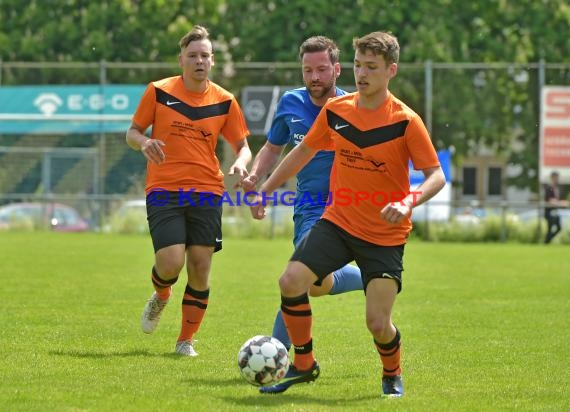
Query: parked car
(38, 215)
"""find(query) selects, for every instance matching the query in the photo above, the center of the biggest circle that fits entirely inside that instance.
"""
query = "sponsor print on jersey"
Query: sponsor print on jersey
(357, 160)
(298, 138)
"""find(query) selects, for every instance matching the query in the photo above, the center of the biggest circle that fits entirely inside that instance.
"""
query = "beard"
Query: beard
(325, 89)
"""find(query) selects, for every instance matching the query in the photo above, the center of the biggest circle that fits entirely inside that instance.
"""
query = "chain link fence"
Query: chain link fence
(473, 109)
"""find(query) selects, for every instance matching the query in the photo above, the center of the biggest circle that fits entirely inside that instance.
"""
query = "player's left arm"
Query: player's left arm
(395, 212)
(424, 156)
(433, 183)
(235, 132)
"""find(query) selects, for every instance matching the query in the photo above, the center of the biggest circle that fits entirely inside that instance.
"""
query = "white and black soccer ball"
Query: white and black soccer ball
(263, 360)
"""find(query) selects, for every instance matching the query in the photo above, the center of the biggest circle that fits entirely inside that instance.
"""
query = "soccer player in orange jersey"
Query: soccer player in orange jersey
(184, 183)
(374, 136)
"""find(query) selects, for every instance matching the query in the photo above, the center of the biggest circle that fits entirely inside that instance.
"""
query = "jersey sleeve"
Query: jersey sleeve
(235, 128)
(279, 130)
(422, 152)
(319, 135)
(144, 115)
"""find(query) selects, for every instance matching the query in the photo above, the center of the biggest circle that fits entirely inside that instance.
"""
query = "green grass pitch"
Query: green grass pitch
(484, 327)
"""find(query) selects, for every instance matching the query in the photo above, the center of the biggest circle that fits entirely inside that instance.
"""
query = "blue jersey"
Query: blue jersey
(293, 118)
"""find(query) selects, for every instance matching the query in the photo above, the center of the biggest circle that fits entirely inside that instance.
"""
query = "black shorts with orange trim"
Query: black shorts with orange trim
(327, 247)
(189, 219)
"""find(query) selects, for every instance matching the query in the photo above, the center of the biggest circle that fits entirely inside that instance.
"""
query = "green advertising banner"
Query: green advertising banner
(67, 109)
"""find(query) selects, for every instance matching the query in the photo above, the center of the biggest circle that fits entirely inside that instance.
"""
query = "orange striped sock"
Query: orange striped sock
(162, 287)
(194, 306)
(298, 318)
(390, 355)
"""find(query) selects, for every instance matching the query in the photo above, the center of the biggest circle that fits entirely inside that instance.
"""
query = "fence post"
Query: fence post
(541, 82)
(102, 161)
(503, 236)
(428, 78)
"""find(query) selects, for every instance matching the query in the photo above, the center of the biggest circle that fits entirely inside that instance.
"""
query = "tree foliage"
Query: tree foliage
(127, 30)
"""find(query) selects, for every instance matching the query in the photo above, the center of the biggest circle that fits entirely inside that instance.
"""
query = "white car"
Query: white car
(129, 217)
(138, 205)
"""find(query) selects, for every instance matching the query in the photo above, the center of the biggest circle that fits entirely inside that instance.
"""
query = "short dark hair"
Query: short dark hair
(381, 44)
(197, 33)
(318, 44)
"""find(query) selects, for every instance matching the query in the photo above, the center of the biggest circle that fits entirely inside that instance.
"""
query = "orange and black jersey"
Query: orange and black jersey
(189, 124)
(372, 153)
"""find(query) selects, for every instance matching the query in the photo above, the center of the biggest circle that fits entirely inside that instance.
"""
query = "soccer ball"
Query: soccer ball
(263, 360)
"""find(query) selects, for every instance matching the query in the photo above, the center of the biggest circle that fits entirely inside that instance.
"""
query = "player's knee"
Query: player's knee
(169, 270)
(286, 284)
(169, 262)
(291, 284)
(199, 267)
(379, 325)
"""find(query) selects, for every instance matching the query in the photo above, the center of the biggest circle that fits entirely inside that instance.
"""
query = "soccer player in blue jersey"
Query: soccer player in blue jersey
(296, 111)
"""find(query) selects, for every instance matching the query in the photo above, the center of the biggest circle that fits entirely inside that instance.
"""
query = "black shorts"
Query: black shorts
(189, 220)
(327, 248)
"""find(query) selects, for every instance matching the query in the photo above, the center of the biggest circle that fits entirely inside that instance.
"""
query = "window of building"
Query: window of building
(495, 181)
(469, 181)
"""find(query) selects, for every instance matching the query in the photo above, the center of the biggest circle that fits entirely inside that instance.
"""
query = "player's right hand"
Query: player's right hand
(258, 208)
(152, 150)
(248, 183)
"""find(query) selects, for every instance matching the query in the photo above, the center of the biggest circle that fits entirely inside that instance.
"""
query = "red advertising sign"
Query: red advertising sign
(555, 132)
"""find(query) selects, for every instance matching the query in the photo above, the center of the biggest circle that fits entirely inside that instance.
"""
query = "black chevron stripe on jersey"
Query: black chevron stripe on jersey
(366, 138)
(193, 113)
